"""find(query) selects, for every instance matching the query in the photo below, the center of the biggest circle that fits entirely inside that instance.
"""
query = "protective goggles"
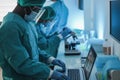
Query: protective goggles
(40, 12)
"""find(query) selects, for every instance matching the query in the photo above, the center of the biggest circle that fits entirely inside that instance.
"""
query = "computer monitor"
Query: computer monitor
(89, 62)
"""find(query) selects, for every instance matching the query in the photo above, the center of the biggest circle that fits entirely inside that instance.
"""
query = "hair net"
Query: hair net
(48, 14)
(31, 2)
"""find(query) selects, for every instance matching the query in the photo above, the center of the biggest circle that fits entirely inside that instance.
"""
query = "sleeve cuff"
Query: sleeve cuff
(60, 36)
(50, 60)
(51, 72)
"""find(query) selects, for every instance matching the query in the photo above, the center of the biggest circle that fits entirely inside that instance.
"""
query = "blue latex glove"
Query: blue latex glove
(66, 31)
(61, 64)
(59, 76)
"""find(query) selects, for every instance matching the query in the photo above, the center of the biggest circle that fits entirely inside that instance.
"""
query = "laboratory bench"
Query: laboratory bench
(77, 61)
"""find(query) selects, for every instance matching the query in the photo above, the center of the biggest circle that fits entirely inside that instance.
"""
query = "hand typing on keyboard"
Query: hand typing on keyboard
(61, 64)
(59, 76)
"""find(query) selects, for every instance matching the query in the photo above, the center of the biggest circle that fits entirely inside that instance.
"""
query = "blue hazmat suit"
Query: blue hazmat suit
(20, 57)
(49, 44)
(61, 16)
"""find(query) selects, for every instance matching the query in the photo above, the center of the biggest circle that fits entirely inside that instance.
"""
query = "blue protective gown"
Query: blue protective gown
(49, 44)
(20, 57)
(61, 16)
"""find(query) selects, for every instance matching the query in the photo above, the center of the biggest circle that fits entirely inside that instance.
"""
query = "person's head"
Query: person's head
(28, 3)
(47, 20)
(48, 15)
(31, 8)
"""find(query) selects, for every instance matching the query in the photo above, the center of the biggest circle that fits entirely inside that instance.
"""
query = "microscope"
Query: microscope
(70, 47)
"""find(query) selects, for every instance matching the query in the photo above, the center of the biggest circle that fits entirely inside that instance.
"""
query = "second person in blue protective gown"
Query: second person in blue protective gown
(49, 44)
(62, 13)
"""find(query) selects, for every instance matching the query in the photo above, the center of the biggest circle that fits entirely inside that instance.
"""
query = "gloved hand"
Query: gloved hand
(59, 76)
(66, 31)
(59, 63)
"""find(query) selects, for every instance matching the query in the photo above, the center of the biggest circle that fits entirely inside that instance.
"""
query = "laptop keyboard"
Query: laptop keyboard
(74, 74)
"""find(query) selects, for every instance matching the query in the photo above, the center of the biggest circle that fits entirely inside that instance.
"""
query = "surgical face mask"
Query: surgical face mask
(47, 24)
(35, 16)
(31, 16)
(45, 28)
(48, 27)
(42, 28)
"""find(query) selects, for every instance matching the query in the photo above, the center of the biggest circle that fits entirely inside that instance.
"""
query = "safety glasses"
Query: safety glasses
(39, 15)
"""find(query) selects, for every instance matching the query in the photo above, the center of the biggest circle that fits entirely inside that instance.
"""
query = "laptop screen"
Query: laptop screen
(89, 62)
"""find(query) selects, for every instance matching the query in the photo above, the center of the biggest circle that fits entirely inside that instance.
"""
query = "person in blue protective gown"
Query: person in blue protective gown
(61, 18)
(48, 43)
(20, 57)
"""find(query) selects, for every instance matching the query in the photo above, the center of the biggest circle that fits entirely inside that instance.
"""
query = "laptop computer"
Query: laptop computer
(84, 72)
